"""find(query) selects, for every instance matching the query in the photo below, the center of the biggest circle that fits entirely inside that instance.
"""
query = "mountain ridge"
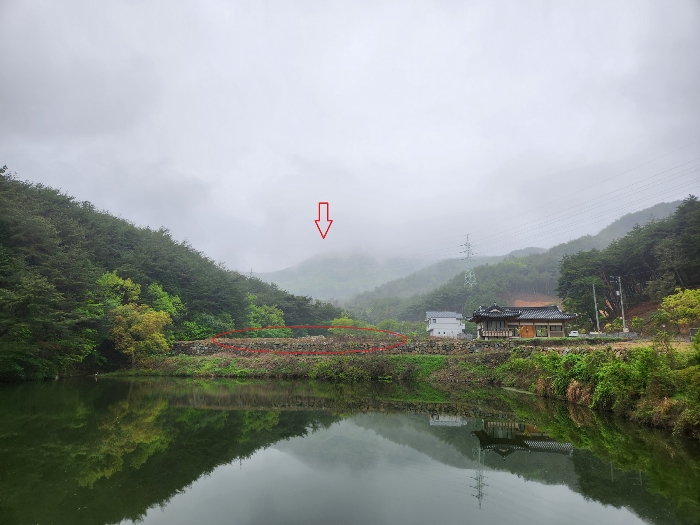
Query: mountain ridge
(343, 277)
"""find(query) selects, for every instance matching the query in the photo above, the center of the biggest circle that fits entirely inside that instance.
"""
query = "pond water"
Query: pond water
(165, 451)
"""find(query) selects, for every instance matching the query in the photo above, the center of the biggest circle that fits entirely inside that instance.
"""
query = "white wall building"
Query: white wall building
(444, 324)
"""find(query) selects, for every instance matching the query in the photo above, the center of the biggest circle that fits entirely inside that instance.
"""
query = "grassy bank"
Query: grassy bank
(342, 368)
(654, 385)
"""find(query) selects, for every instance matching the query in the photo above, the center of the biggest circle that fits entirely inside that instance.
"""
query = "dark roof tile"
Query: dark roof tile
(521, 313)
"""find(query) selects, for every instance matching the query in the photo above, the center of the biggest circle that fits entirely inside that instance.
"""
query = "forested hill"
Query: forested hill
(534, 276)
(652, 260)
(436, 274)
(78, 284)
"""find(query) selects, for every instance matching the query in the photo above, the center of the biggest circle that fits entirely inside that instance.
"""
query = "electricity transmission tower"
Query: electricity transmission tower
(479, 478)
(469, 276)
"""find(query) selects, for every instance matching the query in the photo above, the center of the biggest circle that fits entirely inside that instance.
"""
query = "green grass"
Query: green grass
(421, 365)
(341, 368)
(190, 366)
(418, 392)
(480, 369)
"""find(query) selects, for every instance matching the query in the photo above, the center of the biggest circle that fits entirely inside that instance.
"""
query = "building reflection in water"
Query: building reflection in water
(502, 438)
(506, 437)
(447, 420)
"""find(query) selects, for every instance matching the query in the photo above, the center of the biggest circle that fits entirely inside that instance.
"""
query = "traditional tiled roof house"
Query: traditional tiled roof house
(522, 321)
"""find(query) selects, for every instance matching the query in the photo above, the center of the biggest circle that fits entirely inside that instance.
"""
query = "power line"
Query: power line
(459, 249)
(554, 232)
(627, 171)
(638, 165)
(614, 212)
(590, 218)
(599, 202)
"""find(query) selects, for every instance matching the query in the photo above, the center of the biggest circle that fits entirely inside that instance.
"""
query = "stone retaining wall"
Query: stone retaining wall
(444, 347)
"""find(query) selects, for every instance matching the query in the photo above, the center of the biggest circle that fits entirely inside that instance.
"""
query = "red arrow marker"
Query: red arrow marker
(323, 230)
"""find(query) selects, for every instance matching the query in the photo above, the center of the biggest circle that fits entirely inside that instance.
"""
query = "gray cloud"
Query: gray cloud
(228, 122)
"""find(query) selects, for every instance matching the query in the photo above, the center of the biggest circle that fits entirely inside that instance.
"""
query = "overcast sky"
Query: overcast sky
(522, 123)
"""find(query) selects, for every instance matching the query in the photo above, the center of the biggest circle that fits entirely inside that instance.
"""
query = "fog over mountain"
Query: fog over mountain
(521, 124)
(341, 276)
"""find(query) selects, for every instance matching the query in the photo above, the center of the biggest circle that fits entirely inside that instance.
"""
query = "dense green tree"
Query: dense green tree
(203, 326)
(260, 315)
(683, 309)
(162, 301)
(136, 329)
(347, 321)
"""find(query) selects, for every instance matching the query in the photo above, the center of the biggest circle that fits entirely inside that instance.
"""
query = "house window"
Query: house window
(434, 320)
(513, 329)
(496, 325)
(555, 328)
(541, 330)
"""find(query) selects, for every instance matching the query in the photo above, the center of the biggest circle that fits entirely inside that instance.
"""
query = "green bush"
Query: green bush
(688, 421)
(612, 389)
(688, 383)
(518, 365)
(587, 368)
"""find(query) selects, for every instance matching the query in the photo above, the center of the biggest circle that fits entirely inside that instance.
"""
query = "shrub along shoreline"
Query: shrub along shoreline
(653, 385)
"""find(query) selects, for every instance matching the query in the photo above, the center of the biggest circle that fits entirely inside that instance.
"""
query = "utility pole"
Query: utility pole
(622, 303)
(595, 303)
(469, 276)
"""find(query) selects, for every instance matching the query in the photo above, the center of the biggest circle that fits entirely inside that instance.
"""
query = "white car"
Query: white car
(573, 333)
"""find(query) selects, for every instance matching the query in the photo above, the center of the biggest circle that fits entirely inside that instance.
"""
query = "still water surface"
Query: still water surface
(214, 452)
